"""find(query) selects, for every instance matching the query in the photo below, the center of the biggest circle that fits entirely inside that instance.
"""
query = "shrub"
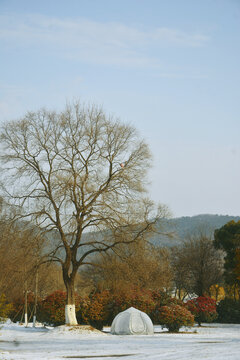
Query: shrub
(93, 309)
(203, 308)
(17, 313)
(229, 311)
(5, 307)
(101, 307)
(52, 308)
(137, 298)
(160, 299)
(175, 316)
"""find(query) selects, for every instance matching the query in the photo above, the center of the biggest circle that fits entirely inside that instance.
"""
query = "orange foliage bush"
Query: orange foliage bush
(175, 316)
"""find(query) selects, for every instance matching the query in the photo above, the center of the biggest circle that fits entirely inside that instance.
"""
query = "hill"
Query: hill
(181, 227)
(178, 229)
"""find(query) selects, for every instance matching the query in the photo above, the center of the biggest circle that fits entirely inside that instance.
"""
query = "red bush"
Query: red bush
(203, 308)
(52, 308)
(138, 298)
(175, 316)
(93, 309)
(161, 299)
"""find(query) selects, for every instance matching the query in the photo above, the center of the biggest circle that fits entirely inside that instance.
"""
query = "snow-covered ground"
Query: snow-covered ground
(215, 341)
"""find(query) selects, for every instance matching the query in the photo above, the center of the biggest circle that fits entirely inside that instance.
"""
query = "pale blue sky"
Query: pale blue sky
(169, 67)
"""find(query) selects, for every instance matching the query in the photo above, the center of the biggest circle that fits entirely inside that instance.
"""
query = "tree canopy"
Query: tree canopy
(227, 238)
(197, 265)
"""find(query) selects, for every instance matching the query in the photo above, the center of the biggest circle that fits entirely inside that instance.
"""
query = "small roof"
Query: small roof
(132, 322)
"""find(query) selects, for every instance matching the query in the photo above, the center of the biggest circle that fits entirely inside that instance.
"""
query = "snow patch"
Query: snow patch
(77, 330)
(212, 342)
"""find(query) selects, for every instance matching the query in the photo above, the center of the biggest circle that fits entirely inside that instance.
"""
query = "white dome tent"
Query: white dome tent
(132, 322)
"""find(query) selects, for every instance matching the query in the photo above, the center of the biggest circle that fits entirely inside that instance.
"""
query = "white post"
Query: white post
(26, 319)
(35, 299)
(26, 305)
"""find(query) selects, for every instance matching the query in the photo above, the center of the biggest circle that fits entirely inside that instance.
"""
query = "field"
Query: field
(215, 341)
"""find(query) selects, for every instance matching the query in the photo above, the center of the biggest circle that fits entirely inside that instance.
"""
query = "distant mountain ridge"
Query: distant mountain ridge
(177, 228)
(183, 226)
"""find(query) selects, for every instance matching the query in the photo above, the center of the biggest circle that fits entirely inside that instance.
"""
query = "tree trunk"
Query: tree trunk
(70, 312)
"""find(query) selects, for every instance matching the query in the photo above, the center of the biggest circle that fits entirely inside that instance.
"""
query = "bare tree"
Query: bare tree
(140, 265)
(21, 251)
(74, 172)
(197, 265)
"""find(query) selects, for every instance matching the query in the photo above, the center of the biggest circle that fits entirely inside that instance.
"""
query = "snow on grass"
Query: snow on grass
(214, 342)
(70, 331)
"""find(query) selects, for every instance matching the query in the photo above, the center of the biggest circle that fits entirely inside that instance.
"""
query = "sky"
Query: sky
(170, 68)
